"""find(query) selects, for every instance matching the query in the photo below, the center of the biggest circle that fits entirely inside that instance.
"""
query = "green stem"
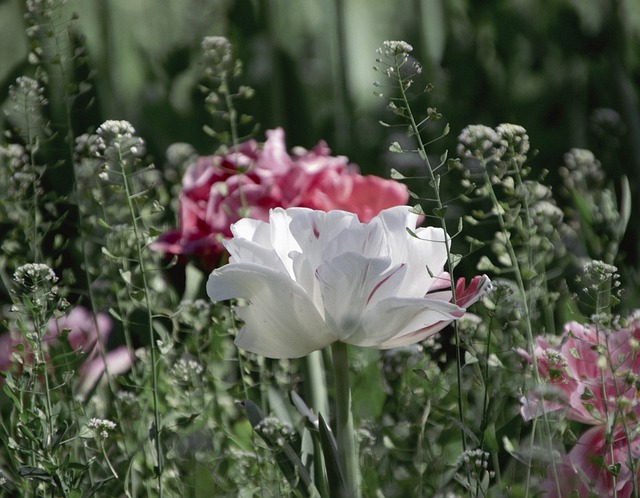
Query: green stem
(347, 450)
(317, 385)
(316, 391)
(435, 183)
(522, 287)
(152, 344)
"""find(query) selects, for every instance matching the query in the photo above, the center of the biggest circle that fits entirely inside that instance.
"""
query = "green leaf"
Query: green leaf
(10, 394)
(417, 209)
(625, 207)
(288, 461)
(440, 212)
(396, 175)
(34, 473)
(469, 359)
(337, 485)
(97, 486)
(107, 253)
(395, 147)
(103, 223)
(194, 279)
(126, 276)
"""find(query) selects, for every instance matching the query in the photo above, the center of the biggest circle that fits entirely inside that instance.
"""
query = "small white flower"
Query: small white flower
(395, 47)
(218, 51)
(101, 427)
(35, 276)
(478, 141)
(514, 139)
(117, 139)
(186, 370)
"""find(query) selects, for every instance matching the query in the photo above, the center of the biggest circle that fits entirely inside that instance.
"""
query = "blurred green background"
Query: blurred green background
(566, 70)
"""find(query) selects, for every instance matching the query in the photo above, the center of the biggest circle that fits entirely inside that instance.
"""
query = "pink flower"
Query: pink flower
(89, 336)
(9, 344)
(116, 362)
(249, 181)
(84, 332)
(85, 335)
(590, 466)
(589, 373)
(593, 374)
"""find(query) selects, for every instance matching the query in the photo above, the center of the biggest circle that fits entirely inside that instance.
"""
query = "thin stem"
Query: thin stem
(232, 113)
(345, 435)
(106, 457)
(515, 262)
(152, 345)
(422, 151)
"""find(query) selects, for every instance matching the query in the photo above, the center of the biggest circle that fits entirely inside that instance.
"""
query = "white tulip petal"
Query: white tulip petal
(280, 319)
(424, 256)
(248, 228)
(305, 277)
(280, 236)
(396, 319)
(414, 337)
(317, 231)
(248, 251)
(353, 275)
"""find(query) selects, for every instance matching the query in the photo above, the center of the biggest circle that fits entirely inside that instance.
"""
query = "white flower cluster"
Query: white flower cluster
(398, 52)
(27, 95)
(34, 275)
(186, 369)
(507, 142)
(117, 141)
(37, 283)
(14, 156)
(556, 365)
(29, 87)
(391, 48)
(87, 145)
(113, 129)
(479, 141)
(514, 140)
(581, 169)
(102, 427)
(42, 6)
(218, 52)
(397, 361)
(275, 430)
(598, 273)
(546, 215)
(477, 459)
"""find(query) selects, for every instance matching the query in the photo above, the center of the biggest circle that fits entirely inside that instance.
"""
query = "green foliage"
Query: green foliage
(86, 201)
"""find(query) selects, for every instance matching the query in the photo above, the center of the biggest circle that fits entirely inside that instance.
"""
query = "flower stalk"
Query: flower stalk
(345, 435)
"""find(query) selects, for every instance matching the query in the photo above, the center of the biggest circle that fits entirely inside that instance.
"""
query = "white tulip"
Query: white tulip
(310, 278)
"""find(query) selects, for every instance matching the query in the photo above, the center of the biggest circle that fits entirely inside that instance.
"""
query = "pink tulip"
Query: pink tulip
(249, 181)
(590, 466)
(593, 374)
(588, 373)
